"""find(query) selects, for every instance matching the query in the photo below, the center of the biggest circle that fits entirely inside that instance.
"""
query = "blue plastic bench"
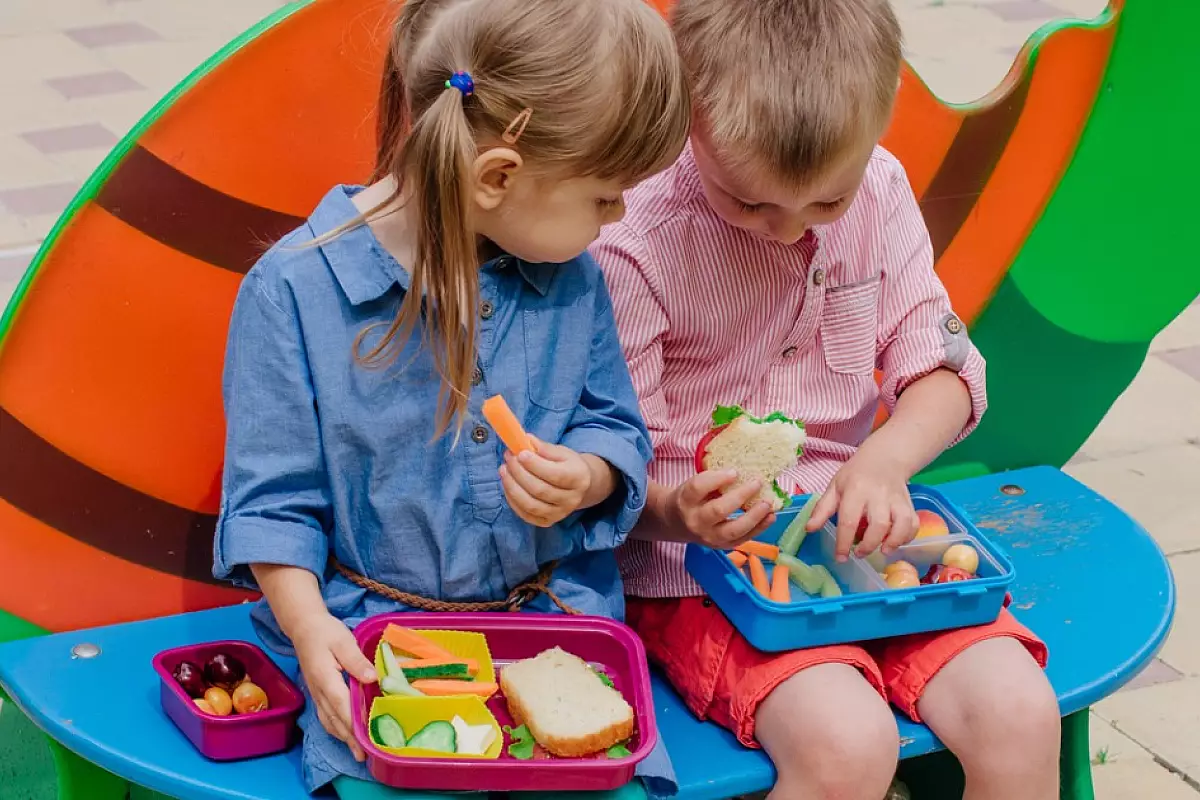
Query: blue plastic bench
(1071, 548)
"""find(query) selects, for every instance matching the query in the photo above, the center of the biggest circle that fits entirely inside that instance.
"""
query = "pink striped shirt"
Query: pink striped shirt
(710, 314)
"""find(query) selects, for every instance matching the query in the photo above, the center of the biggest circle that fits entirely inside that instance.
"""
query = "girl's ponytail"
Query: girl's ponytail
(444, 279)
(392, 118)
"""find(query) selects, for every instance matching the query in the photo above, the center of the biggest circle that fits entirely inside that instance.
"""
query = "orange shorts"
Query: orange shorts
(721, 677)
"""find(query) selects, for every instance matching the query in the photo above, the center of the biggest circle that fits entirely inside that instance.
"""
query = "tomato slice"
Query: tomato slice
(702, 448)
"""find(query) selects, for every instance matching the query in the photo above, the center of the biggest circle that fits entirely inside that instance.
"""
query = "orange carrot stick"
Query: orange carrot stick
(738, 558)
(768, 551)
(506, 425)
(758, 576)
(447, 688)
(781, 588)
(413, 643)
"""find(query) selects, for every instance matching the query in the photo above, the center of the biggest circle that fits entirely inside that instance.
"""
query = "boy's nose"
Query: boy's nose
(789, 232)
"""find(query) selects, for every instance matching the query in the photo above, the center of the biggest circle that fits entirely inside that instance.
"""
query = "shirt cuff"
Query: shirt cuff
(971, 370)
(625, 458)
(245, 540)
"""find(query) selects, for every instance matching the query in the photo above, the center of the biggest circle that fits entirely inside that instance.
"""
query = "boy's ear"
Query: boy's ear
(492, 174)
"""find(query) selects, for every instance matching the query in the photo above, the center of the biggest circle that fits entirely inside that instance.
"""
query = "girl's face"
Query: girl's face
(543, 219)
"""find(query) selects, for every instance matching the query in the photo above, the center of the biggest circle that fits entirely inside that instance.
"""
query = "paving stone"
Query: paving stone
(1164, 718)
(1159, 409)
(112, 34)
(94, 83)
(72, 137)
(30, 201)
(1021, 10)
(1157, 488)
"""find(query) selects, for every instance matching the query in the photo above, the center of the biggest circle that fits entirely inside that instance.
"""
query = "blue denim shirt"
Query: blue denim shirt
(324, 455)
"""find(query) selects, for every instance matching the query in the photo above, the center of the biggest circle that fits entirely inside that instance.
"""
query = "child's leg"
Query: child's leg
(828, 730)
(830, 735)
(983, 692)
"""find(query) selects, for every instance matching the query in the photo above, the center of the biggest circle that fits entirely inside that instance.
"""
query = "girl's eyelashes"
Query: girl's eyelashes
(747, 208)
(606, 203)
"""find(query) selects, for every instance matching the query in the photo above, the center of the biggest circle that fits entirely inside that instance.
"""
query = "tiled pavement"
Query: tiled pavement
(79, 73)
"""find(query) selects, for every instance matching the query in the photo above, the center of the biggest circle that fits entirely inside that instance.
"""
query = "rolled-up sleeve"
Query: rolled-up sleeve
(919, 331)
(275, 506)
(606, 424)
(641, 320)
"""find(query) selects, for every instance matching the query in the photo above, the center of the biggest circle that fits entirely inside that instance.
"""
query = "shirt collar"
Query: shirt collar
(362, 279)
(536, 275)
(367, 279)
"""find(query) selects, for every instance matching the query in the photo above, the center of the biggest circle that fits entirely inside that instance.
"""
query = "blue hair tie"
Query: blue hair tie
(463, 82)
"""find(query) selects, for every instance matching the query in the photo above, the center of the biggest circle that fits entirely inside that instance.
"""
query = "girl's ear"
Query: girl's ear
(493, 173)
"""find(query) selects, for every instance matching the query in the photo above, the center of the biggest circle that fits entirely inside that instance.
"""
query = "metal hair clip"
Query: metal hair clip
(463, 82)
(517, 126)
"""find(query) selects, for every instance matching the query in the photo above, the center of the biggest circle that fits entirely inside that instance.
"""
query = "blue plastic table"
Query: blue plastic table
(1073, 551)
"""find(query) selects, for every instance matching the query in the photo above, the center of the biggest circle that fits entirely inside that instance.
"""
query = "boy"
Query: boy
(776, 265)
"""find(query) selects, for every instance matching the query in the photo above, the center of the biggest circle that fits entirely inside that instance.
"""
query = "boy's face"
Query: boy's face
(768, 208)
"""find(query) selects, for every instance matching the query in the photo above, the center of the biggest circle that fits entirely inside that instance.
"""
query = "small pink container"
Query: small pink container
(236, 736)
(511, 637)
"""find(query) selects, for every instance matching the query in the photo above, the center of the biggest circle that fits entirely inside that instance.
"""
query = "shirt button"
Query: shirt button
(479, 435)
(487, 309)
(819, 277)
(477, 377)
(791, 351)
(954, 326)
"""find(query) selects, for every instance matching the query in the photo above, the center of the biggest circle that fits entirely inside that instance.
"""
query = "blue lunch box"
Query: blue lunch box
(867, 609)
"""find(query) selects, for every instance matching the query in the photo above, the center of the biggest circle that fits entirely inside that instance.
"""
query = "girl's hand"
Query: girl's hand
(326, 648)
(552, 482)
(698, 507)
(873, 488)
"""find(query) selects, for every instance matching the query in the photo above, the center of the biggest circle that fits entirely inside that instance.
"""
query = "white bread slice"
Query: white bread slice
(565, 705)
(756, 450)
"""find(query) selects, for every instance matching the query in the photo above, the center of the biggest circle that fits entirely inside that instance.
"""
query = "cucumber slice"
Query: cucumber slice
(442, 671)
(436, 736)
(806, 577)
(386, 731)
(398, 684)
(390, 664)
(394, 681)
(793, 536)
(829, 584)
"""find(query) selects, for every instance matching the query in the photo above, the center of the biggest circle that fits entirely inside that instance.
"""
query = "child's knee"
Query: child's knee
(1012, 726)
(830, 735)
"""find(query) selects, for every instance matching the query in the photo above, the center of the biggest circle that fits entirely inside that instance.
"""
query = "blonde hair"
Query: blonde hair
(787, 86)
(608, 99)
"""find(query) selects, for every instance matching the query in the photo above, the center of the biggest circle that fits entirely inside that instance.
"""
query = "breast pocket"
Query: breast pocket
(557, 352)
(849, 324)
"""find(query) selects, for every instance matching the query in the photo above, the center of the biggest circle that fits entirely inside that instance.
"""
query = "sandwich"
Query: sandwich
(754, 448)
(570, 710)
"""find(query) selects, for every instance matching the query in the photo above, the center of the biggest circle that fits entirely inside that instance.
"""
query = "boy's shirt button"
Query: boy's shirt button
(954, 325)
(476, 376)
(819, 277)
(486, 309)
(479, 435)
(791, 351)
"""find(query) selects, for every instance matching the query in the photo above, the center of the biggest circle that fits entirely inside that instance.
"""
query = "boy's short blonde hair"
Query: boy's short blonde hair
(788, 86)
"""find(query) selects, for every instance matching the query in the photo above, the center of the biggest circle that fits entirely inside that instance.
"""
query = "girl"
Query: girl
(359, 476)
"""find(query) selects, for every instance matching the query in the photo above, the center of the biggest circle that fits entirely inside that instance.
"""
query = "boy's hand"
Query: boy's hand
(325, 648)
(698, 507)
(872, 488)
(546, 486)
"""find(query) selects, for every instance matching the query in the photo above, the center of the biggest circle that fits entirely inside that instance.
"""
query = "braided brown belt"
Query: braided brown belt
(518, 597)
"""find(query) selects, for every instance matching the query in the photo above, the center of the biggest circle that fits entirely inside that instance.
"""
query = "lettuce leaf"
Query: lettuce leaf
(723, 415)
(781, 494)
